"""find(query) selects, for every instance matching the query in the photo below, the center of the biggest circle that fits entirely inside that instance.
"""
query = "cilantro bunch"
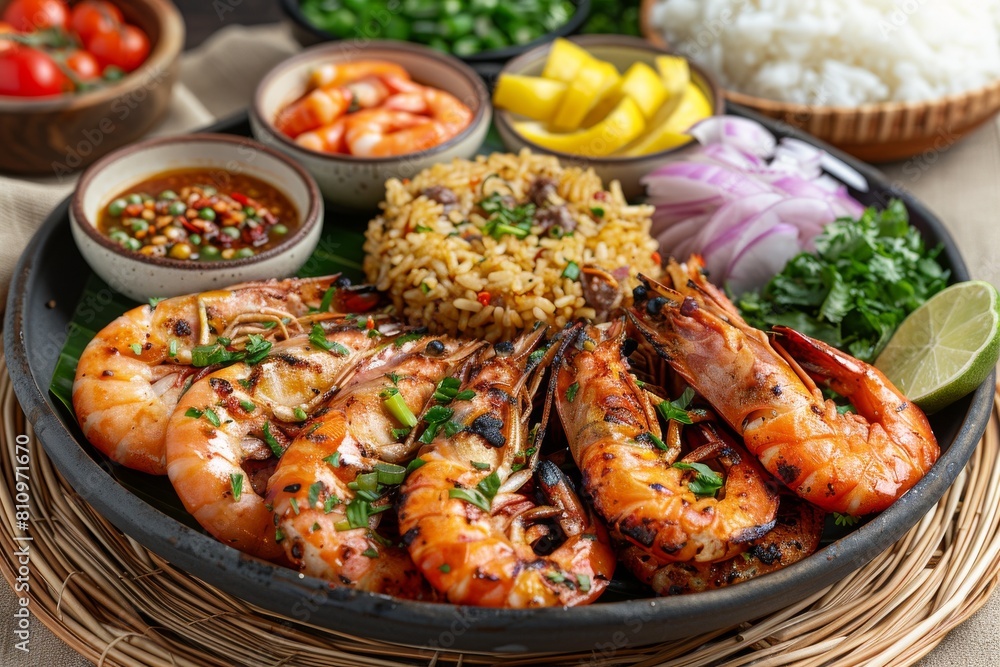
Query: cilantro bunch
(864, 278)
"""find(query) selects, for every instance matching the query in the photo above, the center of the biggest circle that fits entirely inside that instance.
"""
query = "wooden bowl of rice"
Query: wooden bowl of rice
(879, 132)
(445, 267)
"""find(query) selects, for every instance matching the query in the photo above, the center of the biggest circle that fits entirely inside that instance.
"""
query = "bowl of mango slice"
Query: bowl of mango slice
(612, 102)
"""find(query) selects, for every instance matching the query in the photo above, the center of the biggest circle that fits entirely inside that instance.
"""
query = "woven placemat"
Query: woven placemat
(118, 604)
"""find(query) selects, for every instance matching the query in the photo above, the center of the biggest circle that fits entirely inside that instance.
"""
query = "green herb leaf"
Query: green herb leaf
(706, 481)
(400, 433)
(414, 464)
(333, 460)
(447, 389)
(479, 465)
(572, 271)
(845, 519)
(444, 568)
(393, 378)
(863, 279)
(271, 441)
(314, 490)
(571, 391)
(236, 484)
(247, 406)
(300, 414)
(211, 354)
(154, 301)
(317, 337)
(583, 580)
(330, 503)
(257, 348)
(324, 305)
(212, 417)
(193, 413)
(598, 211)
(136, 349)
(370, 552)
(465, 395)
(172, 348)
(471, 496)
(406, 338)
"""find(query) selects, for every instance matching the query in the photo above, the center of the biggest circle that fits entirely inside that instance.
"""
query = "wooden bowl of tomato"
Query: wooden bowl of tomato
(80, 78)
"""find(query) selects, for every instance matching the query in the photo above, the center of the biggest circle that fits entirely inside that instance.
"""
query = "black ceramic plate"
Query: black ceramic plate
(51, 271)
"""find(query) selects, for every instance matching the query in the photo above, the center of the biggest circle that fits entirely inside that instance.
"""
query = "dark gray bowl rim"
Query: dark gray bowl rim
(579, 17)
(310, 218)
(482, 113)
(384, 618)
(503, 117)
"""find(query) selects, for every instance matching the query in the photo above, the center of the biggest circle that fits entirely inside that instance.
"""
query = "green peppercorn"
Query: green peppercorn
(244, 252)
(207, 214)
(195, 239)
(209, 252)
(133, 244)
(231, 232)
(279, 229)
(138, 225)
(134, 198)
(177, 208)
(168, 194)
(117, 207)
(118, 236)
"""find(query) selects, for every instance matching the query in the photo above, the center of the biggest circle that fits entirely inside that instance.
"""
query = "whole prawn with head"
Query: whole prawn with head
(131, 375)
(853, 463)
(469, 529)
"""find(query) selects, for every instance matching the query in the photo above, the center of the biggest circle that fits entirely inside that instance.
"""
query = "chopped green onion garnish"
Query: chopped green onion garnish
(399, 410)
(389, 473)
(172, 348)
(295, 504)
(330, 503)
(572, 271)
(584, 581)
(247, 405)
(193, 413)
(414, 464)
(479, 465)
(571, 391)
(445, 568)
(324, 305)
(333, 459)
(136, 348)
(300, 414)
(706, 481)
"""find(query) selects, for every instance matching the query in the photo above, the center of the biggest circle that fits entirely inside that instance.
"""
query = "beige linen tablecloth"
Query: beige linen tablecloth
(959, 181)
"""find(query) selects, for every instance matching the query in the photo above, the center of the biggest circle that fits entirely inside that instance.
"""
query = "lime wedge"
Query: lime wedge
(945, 348)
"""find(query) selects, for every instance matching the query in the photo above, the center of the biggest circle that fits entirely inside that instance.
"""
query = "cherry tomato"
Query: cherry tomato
(92, 17)
(28, 72)
(31, 15)
(83, 64)
(126, 47)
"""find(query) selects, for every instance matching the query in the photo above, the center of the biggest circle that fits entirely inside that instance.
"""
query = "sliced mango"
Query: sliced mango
(621, 126)
(592, 82)
(674, 74)
(644, 86)
(692, 108)
(531, 96)
(565, 60)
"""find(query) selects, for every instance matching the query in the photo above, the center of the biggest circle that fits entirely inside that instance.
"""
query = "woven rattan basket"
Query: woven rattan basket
(872, 132)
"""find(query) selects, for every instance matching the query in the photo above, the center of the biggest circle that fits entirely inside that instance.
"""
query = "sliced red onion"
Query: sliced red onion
(743, 133)
(762, 258)
(745, 201)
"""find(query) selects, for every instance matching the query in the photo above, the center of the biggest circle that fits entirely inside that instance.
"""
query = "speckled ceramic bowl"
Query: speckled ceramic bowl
(140, 277)
(357, 182)
(621, 51)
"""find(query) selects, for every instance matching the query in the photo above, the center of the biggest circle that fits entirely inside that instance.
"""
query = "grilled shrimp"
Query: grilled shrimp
(131, 375)
(796, 534)
(849, 463)
(468, 530)
(323, 520)
(615, 439)
(227, 428)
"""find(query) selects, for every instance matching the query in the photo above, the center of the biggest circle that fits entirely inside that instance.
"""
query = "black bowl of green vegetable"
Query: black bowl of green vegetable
(480, 32)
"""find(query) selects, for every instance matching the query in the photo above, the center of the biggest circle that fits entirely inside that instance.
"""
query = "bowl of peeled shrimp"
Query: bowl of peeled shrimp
(357, 116)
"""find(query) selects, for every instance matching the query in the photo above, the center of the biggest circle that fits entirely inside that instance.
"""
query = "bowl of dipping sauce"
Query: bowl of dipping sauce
(193, 213)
